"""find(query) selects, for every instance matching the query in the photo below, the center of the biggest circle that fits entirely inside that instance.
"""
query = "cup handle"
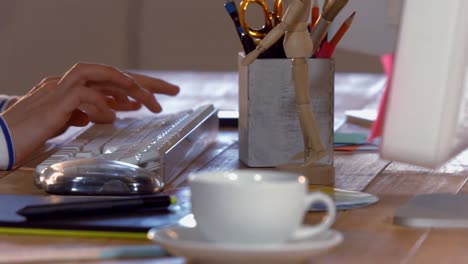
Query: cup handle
(312, 230)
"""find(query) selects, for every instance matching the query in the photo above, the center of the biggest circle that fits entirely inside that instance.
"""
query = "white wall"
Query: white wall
(44, 37)
(187, 35)
(200, 34)
(372, 31)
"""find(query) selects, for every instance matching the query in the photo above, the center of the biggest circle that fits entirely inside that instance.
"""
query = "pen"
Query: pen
(247, 42)
(323, 24)
(342, 30)
(96, 207)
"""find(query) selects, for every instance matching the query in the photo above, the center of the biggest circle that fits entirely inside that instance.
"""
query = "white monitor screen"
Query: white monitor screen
(425, 119)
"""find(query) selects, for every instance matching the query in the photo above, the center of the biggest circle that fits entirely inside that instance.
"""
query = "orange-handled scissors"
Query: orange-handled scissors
(271, 18)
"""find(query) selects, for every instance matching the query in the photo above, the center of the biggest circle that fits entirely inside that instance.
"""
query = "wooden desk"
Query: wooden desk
(370, 236)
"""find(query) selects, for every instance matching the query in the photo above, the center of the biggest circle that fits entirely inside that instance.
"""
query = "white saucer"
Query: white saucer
(188, 242)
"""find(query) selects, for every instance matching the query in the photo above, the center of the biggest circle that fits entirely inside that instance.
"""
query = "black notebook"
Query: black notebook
(133, 225)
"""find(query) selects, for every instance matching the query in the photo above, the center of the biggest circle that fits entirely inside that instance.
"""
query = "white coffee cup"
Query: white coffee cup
(255, 206)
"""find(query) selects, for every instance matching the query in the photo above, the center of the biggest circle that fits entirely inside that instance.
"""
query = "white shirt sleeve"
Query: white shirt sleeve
(4, 100)
(7, 153)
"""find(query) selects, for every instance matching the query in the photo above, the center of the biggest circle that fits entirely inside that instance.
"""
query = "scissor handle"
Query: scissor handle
(277, 11)
(271, 19)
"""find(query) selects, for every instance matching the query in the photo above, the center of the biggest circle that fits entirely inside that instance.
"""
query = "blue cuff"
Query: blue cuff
(9, 142)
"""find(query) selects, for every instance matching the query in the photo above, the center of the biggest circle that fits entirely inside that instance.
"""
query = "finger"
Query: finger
(49, 79)
(120, 105)
(94, 103)
(121, 96)
(118, 101)
(155, 85)
(85, 95)
(96, 115)
(81, 73)
(142, 96)
(109, 90)
(78, 118)
(53, 80)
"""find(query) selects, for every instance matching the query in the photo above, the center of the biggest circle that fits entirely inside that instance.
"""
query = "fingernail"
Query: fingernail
(158, 108)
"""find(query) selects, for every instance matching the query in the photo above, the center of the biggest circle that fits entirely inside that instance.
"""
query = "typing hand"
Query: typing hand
(86, 93)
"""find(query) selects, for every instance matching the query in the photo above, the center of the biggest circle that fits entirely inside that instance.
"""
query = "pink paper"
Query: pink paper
(377, 126)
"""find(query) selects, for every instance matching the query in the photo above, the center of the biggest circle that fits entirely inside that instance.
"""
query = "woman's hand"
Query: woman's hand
(86, 93)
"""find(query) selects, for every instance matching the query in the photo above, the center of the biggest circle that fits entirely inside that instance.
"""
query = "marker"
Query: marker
(247, 42)
(314, 14)
(325, 52)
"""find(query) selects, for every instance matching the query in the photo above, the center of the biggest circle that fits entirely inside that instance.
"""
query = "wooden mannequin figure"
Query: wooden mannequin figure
(298, 47)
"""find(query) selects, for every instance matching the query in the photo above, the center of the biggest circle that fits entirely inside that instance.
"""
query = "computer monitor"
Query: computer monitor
(426, 122)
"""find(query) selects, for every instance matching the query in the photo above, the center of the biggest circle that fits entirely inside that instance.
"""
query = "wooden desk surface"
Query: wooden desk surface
(369, 235)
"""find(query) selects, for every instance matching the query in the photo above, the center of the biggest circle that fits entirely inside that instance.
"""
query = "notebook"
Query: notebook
(134, 225)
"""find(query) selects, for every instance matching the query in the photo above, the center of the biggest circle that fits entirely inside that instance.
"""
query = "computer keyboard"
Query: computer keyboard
(164, 143)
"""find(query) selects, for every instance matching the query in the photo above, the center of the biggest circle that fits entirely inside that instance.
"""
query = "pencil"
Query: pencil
(78, 254)
(342, 30)
(314, 14)
(323, 24)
